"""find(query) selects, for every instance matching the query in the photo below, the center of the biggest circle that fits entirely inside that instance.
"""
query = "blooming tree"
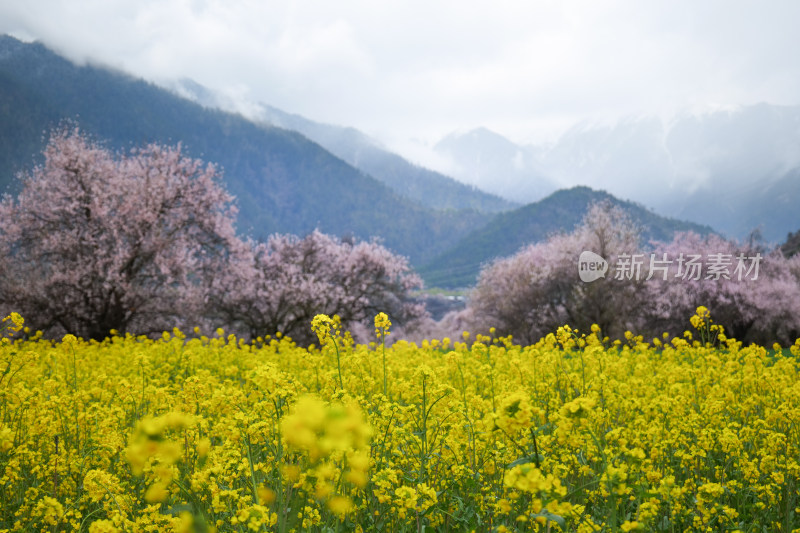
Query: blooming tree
(538, 289)
(750, 290)
(98, 241)
(280, 285)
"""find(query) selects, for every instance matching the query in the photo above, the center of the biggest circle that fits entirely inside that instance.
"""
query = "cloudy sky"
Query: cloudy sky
(423, 68)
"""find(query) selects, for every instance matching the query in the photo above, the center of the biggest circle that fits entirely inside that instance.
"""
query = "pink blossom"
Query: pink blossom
(98, 241)
(280, 285)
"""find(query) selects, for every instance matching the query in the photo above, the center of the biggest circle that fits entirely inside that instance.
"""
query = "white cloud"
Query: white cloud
(421, 69)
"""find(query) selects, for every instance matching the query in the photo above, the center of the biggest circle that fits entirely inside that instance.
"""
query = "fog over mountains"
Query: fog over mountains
(430, 188)
(491, 162)
(733, 169)
(736, 169)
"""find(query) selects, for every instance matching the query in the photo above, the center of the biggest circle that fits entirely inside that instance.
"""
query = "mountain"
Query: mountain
(493, 163)
(283, 182)
(735, 169)
(628, 154)
(417, 183)
(508, 232)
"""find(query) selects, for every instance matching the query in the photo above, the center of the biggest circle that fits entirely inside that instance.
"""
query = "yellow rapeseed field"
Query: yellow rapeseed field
(575, 433)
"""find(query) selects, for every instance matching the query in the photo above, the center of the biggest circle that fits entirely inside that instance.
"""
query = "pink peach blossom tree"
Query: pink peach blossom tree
(751, 290)
(97, 241)
(538, 289)
(145, 241)
(281, 284)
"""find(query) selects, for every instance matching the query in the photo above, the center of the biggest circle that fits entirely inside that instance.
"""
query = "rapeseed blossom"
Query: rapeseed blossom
(382, 325)
(572, 433)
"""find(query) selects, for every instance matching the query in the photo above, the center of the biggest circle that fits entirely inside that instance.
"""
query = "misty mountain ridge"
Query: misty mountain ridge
(430, 188)
(728, 168)
(491, 162)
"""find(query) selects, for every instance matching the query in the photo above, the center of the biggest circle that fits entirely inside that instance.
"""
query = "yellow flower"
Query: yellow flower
(157, 492)
(320, 429)
(322, 326)
(710, 492)
(50, 510)
(99, 483)
(676, 430)
(382, 324)
(528, 478)
(580, 407)
(406, 497)
(503, 506)
(266, 495)
(203, 447)
(16, 320)
(6, 438)
(340, 506)
(103, 526)
(256, 517)
(515, 413)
